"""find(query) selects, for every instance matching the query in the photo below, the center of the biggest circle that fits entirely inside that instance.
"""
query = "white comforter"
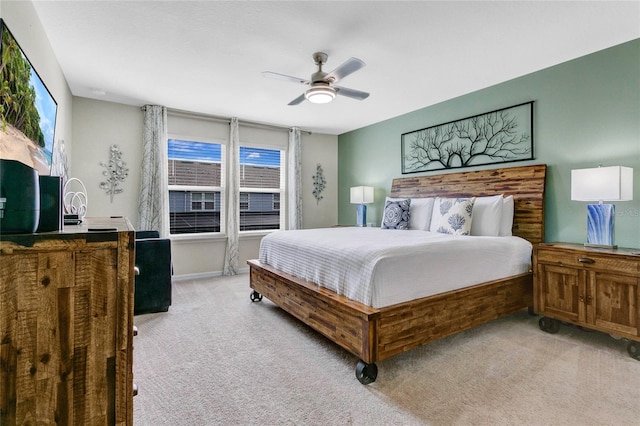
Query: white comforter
(382, 267)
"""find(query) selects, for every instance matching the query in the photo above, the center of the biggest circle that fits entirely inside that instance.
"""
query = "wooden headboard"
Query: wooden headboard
(526, 184)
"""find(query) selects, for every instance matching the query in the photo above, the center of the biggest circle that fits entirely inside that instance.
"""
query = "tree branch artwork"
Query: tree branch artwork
(116, 171)
(496, 137)
(319, 183)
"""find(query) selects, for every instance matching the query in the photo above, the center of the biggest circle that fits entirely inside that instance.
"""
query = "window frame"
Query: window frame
(282, 190)
(204, 188)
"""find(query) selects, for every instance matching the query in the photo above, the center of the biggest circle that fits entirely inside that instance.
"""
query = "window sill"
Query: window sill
(242, 235)
(249, 235)
(180, 238)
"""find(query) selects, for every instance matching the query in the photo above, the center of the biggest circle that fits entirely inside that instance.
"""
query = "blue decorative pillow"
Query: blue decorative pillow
(454, 216)
(396, 214)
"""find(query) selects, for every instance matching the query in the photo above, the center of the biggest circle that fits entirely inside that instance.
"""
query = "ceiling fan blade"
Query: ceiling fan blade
(350, 66)
(351, 93)
(297, 100)
(284, 77)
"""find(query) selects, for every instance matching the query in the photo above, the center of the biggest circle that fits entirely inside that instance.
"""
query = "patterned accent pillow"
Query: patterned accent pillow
(454, 216)
(396, 214)
(419, 212)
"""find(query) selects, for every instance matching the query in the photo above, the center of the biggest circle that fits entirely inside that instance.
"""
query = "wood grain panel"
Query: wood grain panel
(413, 324)
(615, 302)
(592, 287)
(375, 334)
(66, 312)
(526, 184)
(345, 323)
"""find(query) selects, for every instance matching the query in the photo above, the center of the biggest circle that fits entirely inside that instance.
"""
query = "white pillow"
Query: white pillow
(419, 212)
(487, 216)
(507, 216)
(453, 216)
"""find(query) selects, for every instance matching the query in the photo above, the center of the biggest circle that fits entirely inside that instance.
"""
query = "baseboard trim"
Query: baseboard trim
(204, 275)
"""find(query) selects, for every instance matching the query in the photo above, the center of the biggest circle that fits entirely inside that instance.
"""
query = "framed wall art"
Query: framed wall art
(500, 136)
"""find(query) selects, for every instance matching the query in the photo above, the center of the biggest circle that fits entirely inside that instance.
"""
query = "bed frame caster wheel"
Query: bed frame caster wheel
(634, 350)
(550, 325)
(366, 373)
(255, 296)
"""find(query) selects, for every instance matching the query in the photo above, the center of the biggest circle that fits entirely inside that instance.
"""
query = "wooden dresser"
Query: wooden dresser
(591, 287)
(66, 325)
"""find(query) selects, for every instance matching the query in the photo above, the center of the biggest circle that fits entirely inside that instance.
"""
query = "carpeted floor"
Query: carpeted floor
(216, 358)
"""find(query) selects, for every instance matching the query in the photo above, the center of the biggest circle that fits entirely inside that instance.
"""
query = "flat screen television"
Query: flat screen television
(27, 109)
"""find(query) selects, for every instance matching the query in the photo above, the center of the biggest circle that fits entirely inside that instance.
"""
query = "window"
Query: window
(202, 201)
(244, 201)
(261, 183)
(195, 185)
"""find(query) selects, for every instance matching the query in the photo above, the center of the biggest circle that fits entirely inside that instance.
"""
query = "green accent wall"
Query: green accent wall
(586, 113)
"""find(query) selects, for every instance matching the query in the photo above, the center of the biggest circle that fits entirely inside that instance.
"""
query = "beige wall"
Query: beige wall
(323, 150)
(97, 125)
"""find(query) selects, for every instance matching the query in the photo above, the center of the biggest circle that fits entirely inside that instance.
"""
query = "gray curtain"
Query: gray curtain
(294, 180)
(231, 257)
(153, 199)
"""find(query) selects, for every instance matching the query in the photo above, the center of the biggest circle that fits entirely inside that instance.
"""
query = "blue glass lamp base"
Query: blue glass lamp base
(361, 215)
(600, 225)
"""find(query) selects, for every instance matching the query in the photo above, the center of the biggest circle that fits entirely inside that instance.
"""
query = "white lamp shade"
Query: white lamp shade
(613, 183)
(361, 194)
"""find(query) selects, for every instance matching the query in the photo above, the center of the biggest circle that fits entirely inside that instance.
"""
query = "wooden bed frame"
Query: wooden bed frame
(375, 334)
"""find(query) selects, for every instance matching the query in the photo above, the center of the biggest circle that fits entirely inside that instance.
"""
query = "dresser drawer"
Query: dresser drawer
(595, 261)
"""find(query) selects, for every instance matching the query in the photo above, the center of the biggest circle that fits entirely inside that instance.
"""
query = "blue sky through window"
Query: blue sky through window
(190, 151)
(259, 157)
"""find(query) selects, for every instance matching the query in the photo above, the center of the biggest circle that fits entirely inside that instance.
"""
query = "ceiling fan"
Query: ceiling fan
(322, 85)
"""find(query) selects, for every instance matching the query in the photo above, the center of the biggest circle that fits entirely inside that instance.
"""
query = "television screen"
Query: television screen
(27, 109)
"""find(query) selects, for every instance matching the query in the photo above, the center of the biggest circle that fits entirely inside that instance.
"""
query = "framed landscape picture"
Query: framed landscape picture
(27, 109)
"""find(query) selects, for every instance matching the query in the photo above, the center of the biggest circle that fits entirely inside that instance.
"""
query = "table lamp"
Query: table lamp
(614, 183)
(361, 195)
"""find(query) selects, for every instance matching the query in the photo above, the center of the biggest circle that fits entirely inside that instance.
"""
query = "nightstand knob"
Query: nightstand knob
(581, 297)
(586, 260)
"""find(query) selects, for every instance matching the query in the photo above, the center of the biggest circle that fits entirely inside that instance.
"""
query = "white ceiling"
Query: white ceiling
(207, 56)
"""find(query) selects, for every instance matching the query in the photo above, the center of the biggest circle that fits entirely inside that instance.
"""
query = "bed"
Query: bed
(373, 334)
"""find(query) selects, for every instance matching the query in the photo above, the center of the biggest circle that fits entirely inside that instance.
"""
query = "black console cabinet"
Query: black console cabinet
(154, 270)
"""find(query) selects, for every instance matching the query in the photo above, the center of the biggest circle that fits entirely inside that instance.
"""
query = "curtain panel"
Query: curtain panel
(294, 180)
(232, 255)
(153, 199)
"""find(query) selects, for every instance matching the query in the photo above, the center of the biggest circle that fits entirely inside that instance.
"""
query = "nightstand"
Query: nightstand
(591, 287)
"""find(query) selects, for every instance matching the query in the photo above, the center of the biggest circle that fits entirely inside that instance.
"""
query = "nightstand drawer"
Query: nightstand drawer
(589, 261)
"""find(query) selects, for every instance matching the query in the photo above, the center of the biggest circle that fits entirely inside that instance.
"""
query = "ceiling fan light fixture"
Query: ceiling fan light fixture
(320, 94)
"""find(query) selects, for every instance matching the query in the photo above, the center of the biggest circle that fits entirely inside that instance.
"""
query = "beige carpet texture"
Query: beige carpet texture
(216, 358)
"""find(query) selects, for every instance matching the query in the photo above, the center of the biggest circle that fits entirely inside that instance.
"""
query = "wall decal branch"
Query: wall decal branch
(499, 136)
(319, 183)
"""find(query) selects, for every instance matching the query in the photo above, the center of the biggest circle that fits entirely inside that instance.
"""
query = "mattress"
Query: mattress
(383, 267)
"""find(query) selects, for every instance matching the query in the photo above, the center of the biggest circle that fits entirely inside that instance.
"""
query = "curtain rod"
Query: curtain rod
(219, 119)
